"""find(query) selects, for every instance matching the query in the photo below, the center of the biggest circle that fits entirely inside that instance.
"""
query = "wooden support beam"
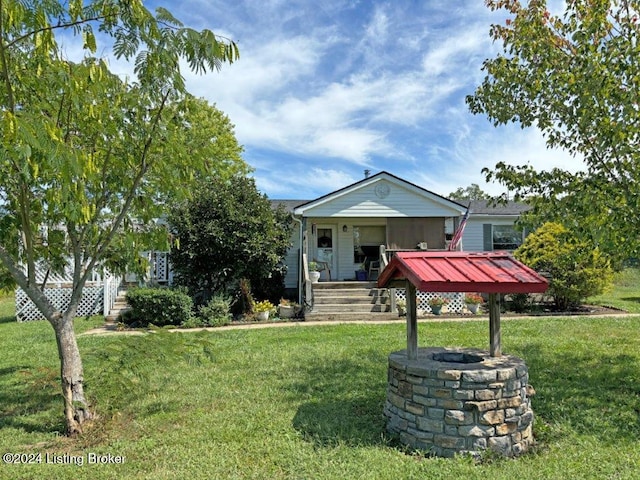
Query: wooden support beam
(494, 325)
(412, 321)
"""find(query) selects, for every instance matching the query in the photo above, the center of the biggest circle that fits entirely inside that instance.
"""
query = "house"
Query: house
(492, 227)
(344, 229)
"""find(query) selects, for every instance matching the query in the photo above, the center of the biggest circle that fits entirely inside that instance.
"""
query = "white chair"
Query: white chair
(324, 266)
(374, 266)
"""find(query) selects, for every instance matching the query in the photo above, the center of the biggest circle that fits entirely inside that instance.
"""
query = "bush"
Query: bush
(520, 302)
(576, 269)
(215, 313)
(228, 231)
(158, 306)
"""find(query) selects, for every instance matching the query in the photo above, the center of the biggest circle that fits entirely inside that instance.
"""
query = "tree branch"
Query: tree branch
(5, 67)
(35, 294)
(56, 27)
(144, 167)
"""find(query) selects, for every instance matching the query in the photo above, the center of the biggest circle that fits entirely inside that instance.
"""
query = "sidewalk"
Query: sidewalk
(111, 328)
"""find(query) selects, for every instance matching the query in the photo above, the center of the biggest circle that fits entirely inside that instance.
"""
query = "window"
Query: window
(367, 241)
(325, 239)
(506, 237)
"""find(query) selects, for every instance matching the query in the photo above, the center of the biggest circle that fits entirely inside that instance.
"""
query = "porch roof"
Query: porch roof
(381, 195)
(488, 272)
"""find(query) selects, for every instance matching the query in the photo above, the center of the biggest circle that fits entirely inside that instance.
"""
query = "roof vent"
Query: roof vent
(367, 172)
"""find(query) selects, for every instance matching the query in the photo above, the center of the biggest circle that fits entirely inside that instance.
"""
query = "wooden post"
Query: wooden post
(494, 325)
(392, 298)
(305, 276)
(412, 322)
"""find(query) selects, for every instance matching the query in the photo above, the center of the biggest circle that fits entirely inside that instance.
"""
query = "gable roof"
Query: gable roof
(380, 178)
(289, 205)
(487, 207)
(488, 272)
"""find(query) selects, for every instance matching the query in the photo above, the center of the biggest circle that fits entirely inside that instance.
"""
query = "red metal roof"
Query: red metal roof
(487, 272)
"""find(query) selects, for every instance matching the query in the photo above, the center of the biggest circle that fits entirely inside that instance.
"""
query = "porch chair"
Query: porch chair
(322, 266)
(374, 266)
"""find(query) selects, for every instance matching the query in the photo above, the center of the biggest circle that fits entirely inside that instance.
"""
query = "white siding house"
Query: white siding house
(344, 229)
(492, 227)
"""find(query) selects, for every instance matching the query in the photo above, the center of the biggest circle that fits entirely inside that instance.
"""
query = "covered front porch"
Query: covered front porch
(352, 232)
(337, 299)
(349, 249)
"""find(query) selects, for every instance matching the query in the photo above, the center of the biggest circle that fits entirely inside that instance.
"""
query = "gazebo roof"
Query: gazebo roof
(487, 272)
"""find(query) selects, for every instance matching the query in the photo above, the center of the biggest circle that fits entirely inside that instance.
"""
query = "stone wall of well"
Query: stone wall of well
(448, 408)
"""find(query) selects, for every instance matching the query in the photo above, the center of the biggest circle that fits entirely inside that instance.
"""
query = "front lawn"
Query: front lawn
(625, 294)
(7, 308)
(306, 402)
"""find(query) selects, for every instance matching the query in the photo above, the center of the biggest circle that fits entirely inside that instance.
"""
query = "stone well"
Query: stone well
(460, 400)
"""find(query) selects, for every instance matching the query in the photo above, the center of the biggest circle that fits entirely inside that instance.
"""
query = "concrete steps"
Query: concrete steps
(341, 300)
(119, 306)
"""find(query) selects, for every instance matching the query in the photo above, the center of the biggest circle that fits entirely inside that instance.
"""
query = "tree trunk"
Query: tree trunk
(76, 407)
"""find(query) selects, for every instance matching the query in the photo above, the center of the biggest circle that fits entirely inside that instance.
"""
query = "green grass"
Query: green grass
(306, 402)
(625, 294)
(7, 308)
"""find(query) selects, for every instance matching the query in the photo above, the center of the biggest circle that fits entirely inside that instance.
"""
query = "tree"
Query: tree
(472, 192)
(576, 77)
(575, 268)
(87, 158)
(226, 232)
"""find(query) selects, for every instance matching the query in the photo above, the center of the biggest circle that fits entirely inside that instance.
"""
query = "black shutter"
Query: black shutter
(487, 237)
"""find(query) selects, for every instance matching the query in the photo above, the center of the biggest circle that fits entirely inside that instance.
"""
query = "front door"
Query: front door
(326, 249)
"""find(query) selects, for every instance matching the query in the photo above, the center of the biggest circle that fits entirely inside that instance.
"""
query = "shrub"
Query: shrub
(159, 306)
(194, 322)
(576, 269)
(215, 313)
(520, 302)
(228, 231)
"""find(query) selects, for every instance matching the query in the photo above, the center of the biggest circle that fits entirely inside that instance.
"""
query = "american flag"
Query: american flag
(457, 236)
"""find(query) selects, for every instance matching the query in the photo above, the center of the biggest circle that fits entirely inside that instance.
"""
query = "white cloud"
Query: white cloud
(451, 56)
(305, 184)
(377, 30)
(508, 144)
(353, 145)
(323, 89)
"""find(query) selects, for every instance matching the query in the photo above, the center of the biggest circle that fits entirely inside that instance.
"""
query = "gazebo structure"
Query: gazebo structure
(459, 400)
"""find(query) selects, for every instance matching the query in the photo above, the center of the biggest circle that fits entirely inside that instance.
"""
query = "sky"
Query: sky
(326, 89)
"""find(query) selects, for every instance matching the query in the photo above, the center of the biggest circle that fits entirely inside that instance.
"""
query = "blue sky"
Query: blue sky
(326, 89)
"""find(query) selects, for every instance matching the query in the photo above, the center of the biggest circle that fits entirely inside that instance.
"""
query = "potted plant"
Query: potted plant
(436, 304)
(287, 308)
(314, 272)
(473, 302)
(361, 273)
(263, 309)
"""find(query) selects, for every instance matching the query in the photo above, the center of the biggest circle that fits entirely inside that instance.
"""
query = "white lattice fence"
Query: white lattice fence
(456, 300)
(161, 263)
(90, 303)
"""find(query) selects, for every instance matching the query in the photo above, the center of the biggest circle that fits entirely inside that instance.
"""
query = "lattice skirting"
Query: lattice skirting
(456, 300)
(90, 303)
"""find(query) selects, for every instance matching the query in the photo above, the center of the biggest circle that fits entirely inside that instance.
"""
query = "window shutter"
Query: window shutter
(487, 236)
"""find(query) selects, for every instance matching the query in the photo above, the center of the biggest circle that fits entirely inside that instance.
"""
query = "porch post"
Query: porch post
(304, 265)
(494, 325)
(412, 322)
